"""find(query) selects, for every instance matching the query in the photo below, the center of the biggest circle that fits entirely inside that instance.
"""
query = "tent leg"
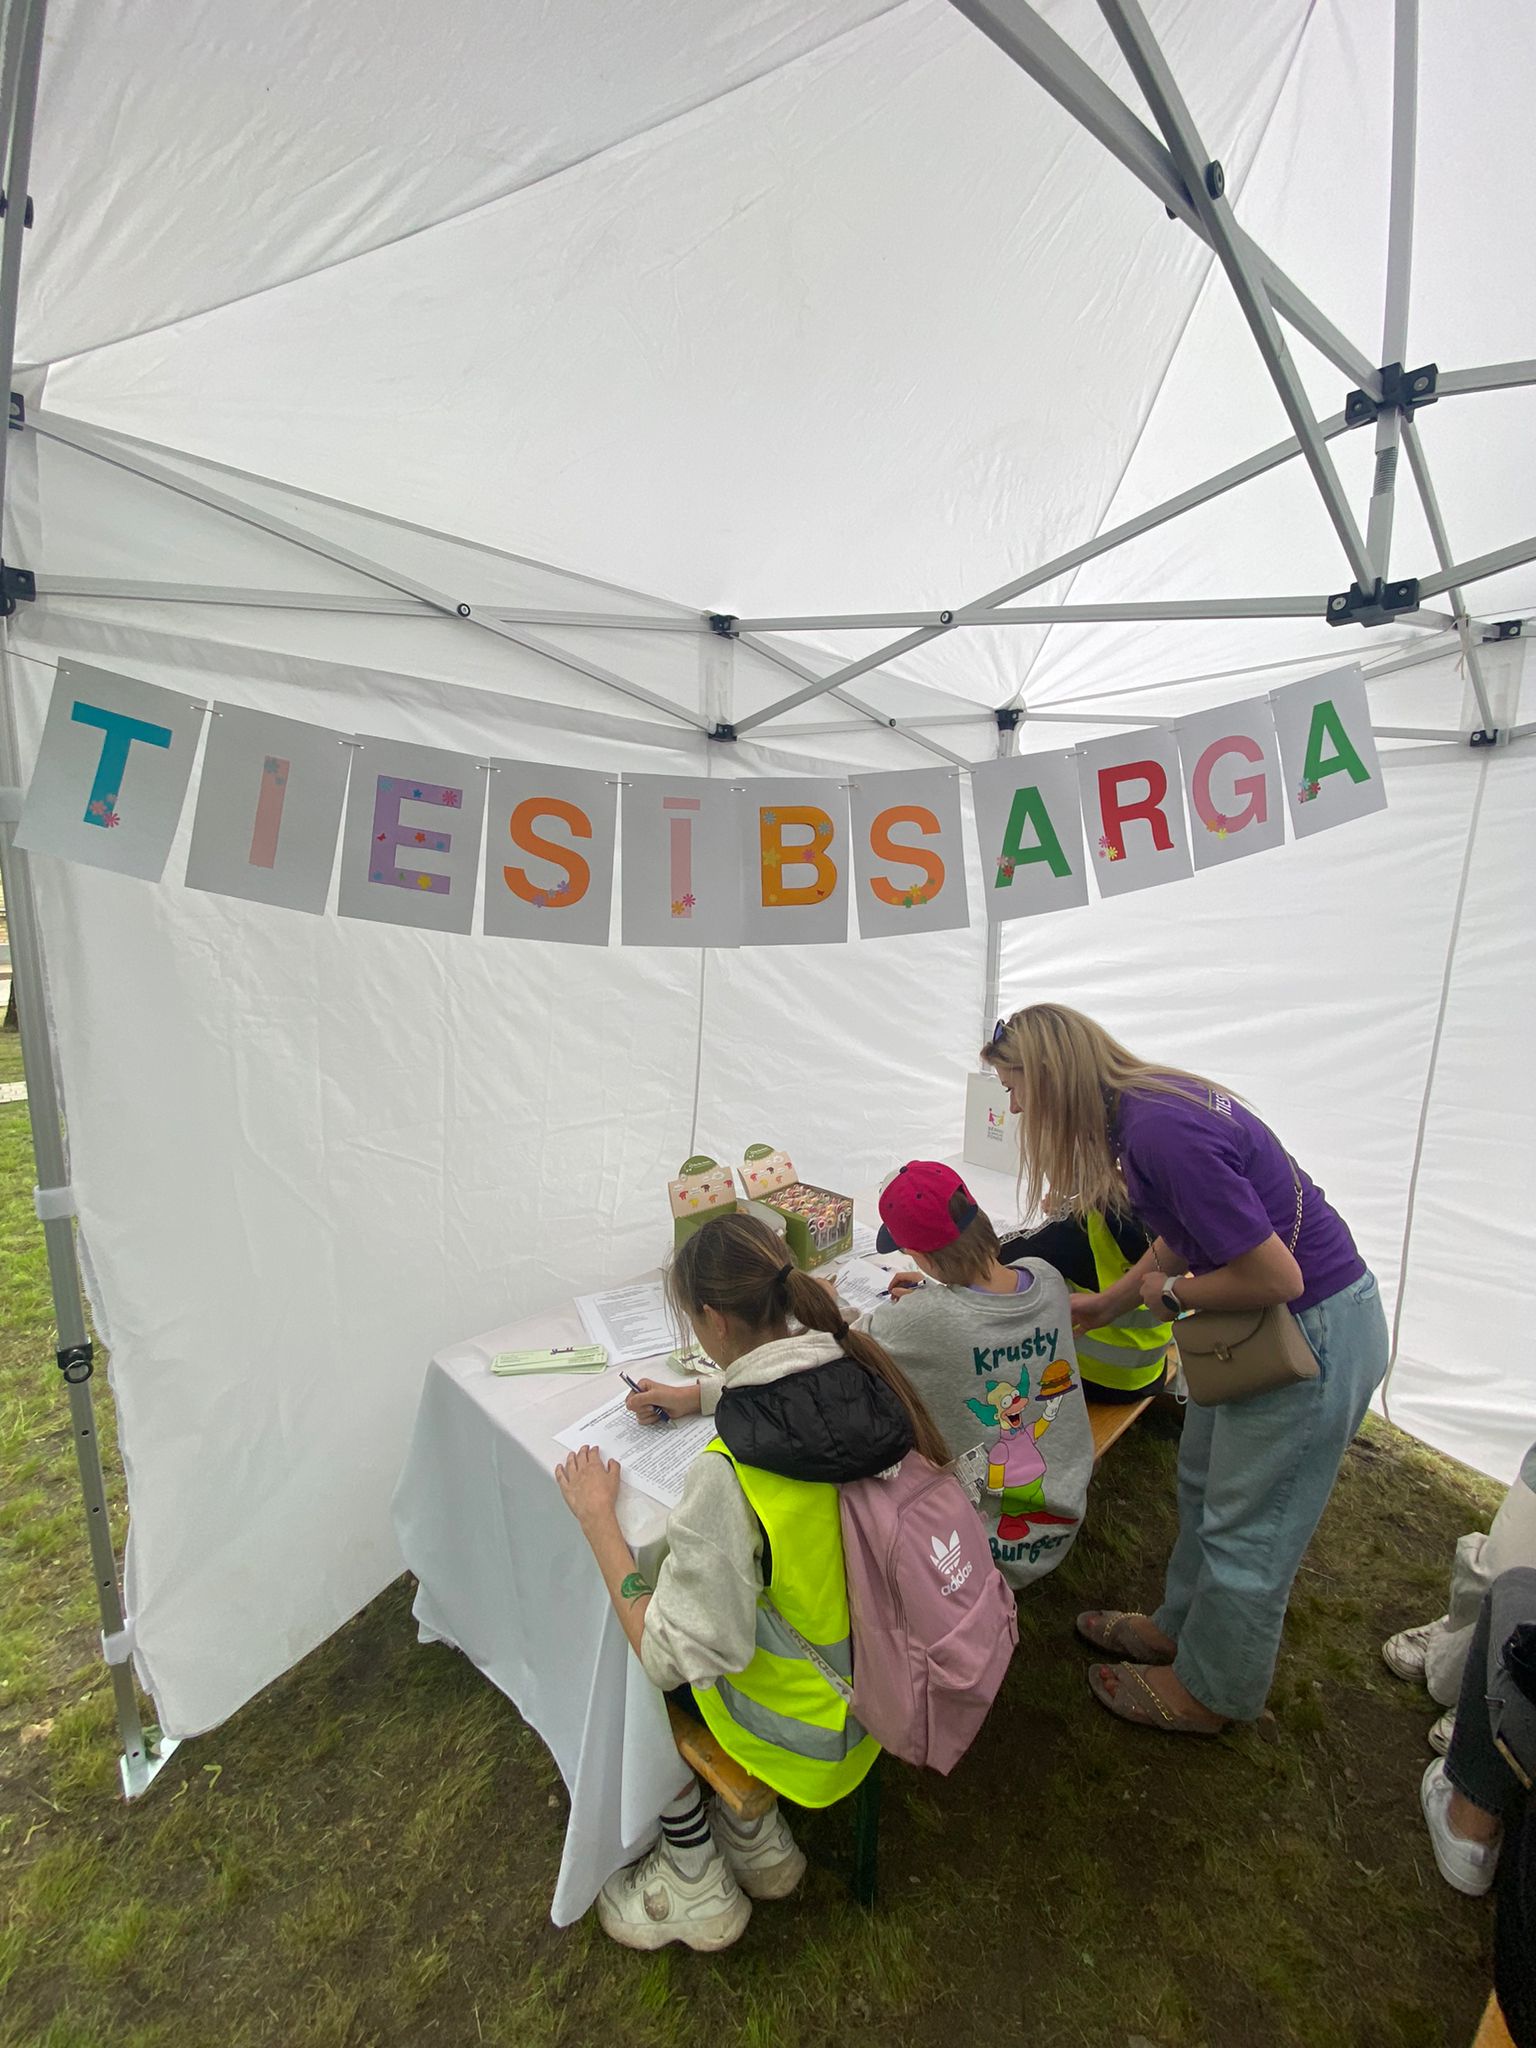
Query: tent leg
(141, 1760)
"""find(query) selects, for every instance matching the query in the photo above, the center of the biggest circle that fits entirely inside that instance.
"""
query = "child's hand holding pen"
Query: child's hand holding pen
(660, 1400)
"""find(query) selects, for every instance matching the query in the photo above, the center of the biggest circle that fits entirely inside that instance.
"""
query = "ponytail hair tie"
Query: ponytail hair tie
(784, 1272)
(841, 1333)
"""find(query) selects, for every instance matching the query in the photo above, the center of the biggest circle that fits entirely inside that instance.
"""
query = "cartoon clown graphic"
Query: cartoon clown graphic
(1015, 1464)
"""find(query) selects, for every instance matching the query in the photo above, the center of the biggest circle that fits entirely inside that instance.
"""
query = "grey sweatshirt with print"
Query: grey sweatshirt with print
(999, 1375)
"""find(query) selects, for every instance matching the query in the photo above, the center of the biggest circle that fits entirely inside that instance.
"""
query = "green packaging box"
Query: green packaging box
(818, 1224)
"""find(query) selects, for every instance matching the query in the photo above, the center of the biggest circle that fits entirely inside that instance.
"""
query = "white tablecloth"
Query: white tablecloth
(506, 1575)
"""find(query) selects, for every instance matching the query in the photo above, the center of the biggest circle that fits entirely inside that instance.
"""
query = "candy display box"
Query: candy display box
(701, 1190)
(818, 1225)
(704, 1190)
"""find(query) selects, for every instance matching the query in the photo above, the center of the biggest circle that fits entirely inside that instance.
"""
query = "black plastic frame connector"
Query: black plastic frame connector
(17, 586)
(722, 732)
(76, 1361)
(723, 623)
(1402, 391)
(1009, 718)
(1383, 601)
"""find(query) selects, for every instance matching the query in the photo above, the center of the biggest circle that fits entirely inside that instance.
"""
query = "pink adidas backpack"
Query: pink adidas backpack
(934, 1623)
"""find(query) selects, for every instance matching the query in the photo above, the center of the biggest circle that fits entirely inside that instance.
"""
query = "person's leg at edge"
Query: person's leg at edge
(1270, 1464)
(1481, 1782)
(1464, 1795)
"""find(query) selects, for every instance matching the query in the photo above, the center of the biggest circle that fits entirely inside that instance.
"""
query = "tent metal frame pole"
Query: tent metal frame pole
(1206, 186)
(125, 588)
(1155, 609)
(1424, 485)
(992, 996)
(1454, 574)
(1394, 325)
(139, 1763)
(1085, 551)
(1037, 49)
(54, 427)
(1491, 377)
(866, 711)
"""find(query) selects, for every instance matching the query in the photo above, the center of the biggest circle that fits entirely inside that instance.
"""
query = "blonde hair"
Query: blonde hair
(1070, 1077)
(737, 1265)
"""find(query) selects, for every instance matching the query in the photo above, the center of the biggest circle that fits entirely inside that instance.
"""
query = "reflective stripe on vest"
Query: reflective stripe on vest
(780, 1719)
(1128, 1353)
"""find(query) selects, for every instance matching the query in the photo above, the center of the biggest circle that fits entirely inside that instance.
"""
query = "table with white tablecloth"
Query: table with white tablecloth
(505, 1574)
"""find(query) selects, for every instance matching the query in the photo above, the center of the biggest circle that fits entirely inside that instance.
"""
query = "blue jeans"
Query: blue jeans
(1254, 1478)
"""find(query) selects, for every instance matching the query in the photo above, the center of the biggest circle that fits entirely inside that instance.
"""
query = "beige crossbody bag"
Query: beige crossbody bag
(1231, 1354)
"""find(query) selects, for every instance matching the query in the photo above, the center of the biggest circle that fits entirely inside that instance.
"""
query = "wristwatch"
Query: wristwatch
(1170, 1299)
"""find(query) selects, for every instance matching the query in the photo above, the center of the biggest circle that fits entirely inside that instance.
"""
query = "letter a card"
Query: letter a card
(1332, 773)
(1030, 825)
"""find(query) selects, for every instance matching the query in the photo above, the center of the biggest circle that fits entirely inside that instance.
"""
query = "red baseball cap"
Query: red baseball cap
(914, 1208)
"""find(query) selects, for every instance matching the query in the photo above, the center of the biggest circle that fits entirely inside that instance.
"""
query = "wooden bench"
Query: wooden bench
(1109, 1421)
(1493, 2033)
(748, 1798)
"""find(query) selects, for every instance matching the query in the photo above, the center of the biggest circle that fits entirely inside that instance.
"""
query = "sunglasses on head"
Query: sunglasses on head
(1000, 1031)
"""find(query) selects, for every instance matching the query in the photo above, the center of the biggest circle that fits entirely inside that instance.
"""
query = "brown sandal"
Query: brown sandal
(1106, 1629)
(1146, 1708)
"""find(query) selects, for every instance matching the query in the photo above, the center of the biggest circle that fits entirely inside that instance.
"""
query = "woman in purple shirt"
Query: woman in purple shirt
(1214, 1188)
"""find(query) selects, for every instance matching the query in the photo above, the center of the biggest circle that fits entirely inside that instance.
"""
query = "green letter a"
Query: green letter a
(1029, 809)
(1327, 724)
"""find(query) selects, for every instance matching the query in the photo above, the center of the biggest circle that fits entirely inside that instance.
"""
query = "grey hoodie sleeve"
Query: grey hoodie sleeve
(701, 1623)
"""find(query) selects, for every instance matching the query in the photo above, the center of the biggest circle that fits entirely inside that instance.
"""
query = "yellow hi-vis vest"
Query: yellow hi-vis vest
(779, 1718)
(1128, 1353)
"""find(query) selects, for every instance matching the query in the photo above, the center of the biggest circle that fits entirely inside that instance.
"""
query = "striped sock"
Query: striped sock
(685, 1832)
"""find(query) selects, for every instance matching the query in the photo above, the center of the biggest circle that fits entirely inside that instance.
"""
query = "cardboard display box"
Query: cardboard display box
(703, 1190)
(817, 1224)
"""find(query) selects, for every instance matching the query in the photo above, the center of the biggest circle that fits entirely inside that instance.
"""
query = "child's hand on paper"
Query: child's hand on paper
(902, 1285)
(590, 1488)
(649, 1395)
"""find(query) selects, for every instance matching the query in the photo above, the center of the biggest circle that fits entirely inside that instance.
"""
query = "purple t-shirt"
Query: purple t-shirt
(1214, 1181)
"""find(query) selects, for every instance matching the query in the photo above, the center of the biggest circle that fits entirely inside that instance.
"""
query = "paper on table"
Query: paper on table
(655, 1456)
(632, 1321)
(864, 1241)
(864, 1284)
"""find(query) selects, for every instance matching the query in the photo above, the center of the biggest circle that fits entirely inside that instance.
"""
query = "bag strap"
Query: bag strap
(1295, 1183)
(838, 1684)
(1296, 1179)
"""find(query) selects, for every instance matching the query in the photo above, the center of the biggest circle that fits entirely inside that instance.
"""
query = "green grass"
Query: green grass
(363, 1857)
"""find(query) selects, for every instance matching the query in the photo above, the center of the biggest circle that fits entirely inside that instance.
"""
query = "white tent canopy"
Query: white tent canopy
(823, 319)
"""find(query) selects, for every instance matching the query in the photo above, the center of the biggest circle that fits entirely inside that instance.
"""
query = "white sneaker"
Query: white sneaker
(1466, 1866)
(1404, 1652)
(768, 1863)
(1440, 1732)
(651, 1903)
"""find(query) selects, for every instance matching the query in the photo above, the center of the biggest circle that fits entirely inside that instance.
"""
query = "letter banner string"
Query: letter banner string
(284, 812)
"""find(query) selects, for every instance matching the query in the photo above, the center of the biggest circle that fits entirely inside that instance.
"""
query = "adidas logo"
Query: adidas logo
(946, 1557)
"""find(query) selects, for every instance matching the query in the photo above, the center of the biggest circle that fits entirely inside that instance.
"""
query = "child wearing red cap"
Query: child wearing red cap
(990, 1349)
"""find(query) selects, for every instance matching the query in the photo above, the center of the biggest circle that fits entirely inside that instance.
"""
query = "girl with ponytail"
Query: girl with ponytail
(749, 1611)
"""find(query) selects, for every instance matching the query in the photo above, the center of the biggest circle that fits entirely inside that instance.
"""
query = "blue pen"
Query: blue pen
(659, 1412)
